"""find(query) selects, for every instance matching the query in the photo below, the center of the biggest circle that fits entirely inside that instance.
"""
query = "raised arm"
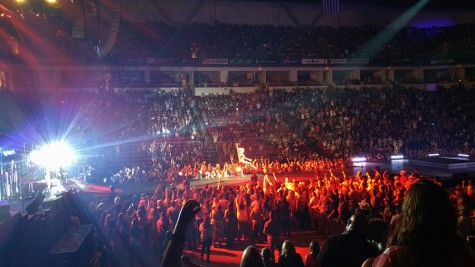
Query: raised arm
(175, 247)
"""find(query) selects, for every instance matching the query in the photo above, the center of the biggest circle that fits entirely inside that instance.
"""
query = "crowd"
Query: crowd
(343, 122)
(369, 206)
(137, 41)
(279, 130)
(266, 42)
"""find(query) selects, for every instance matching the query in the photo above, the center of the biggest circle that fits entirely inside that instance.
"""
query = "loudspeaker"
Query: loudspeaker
(34, 205)
(4, 210)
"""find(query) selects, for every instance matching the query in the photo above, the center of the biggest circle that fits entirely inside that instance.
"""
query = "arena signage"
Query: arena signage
(313, 61)
(442, 61)
(215, 61)
(154, 60)
(336, 61)
(241, 61)
(290, 61)
(358, 61)
(266, 61)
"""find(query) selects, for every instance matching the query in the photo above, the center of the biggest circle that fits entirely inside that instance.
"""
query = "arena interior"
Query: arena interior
(237, 133)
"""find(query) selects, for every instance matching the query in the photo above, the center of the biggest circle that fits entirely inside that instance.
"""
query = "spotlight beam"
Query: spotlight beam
(122, 142)
(387, 34)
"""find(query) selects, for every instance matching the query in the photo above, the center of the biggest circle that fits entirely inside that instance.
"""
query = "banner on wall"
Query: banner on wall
(191, 61)
(358, 61)
(241, 61)
(313, 61)
(336, 61)
(442, 61)
(154, 60)
(290, 61)
(215, 61)
(266, 61)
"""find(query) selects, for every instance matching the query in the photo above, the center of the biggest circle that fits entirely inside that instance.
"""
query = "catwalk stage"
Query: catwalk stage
(442, 168)
(448, 176)
(448, 169)
(447, 163)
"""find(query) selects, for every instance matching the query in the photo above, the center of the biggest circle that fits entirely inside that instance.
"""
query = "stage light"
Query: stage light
(397, 156)
(9, 152)
(51, 1)
(53, 155)
(358, 159)
(433, 155)
(463, 155)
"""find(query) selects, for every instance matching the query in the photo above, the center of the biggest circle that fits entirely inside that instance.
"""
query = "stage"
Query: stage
(446, 163)
(448, 169)
(447, 174)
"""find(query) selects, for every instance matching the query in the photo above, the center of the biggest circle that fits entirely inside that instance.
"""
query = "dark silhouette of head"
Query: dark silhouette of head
(251, 258)
(314, 248)
(358, 223)
(267, 255)
(288, 248)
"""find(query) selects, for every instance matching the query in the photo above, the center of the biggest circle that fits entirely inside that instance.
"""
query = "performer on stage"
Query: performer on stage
(242, 158)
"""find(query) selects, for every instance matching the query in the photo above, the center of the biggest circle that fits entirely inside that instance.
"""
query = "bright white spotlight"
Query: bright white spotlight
(53, 155)
(434, 155)
(397, 156)
(358, 159)
(463, 155)
(8, 152)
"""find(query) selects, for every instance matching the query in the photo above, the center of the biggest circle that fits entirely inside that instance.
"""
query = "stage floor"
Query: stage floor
(392, 167)
(431, 167)
(450, 163)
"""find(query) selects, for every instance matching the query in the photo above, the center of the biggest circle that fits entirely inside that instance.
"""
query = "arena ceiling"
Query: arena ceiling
(452, 4)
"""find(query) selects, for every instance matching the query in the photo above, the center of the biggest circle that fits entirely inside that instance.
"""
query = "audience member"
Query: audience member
(427, 235)
(268, 257)
(251, 258)
(350, 248)
(378, 233)
(206, 230)
(272, 229)
(289, 257)
(311, 257)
